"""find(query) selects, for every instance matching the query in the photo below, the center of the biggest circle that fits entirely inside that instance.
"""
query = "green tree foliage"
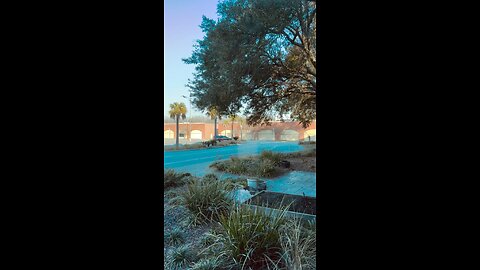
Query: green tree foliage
(260, 56)
(177, 110)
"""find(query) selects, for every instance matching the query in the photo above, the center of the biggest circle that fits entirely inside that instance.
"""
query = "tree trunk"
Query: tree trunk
(215, 128)
(177, 133)
(232, 129)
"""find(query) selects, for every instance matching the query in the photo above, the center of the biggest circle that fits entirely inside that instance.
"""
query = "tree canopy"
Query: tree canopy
(259, 56)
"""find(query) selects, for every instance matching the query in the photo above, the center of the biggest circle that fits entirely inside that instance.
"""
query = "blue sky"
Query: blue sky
(181, 30)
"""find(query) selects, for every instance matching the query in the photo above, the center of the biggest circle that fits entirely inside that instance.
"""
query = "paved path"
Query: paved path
(177, 159)
(196, 162)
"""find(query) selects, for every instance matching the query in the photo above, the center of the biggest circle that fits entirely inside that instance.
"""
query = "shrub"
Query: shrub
(210, 177)
(305, 153)
(183, 146)
(237, 166)
(269, 155)
(175, 236)
(174, 179)
(219, 165)
(266, 168)
(206, 199)
(249, 166)
(251, 238)
(209, 143)
(180, 257)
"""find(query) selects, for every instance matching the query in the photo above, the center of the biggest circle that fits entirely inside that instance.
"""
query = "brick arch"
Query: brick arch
(279, 127)
(207, 129)
(169, 131)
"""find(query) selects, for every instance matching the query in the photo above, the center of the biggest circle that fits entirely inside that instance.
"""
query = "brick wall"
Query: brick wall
(279, 129)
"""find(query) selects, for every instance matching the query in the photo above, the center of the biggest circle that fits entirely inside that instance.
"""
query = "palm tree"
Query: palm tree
(241, 121)
(178, 110)
(231, 119)
(213, 113)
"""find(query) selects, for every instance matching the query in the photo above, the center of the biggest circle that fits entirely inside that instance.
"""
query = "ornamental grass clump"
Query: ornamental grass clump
(272, 156)
(251, 238)
(207, 263)
(206, 199)
(266, 168)
(298, 243)
(180, 257)
(174, 179)
(251, 166)
(175, 237)
(238, 183)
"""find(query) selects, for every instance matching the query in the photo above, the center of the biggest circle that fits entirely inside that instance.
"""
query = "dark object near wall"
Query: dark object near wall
(300, 204)
(284, 164)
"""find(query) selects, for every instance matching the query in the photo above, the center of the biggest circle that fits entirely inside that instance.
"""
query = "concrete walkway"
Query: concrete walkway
(295, 183)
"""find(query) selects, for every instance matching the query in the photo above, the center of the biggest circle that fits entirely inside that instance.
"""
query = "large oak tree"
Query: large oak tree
(260, 55)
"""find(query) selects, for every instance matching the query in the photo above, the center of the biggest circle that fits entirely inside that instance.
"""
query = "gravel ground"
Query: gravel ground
(306, 164)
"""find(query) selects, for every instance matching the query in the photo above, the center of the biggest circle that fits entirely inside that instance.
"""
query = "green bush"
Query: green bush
(206, 199)
(251, 238)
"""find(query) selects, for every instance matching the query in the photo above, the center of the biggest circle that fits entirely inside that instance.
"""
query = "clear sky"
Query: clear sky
(182, 20)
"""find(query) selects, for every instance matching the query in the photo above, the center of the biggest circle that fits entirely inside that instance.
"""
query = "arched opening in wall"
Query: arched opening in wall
(266, 135)
(289, 135)
(226, 132)
(247, 135)
(168, 134)
(196, 134)
(312, 133)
